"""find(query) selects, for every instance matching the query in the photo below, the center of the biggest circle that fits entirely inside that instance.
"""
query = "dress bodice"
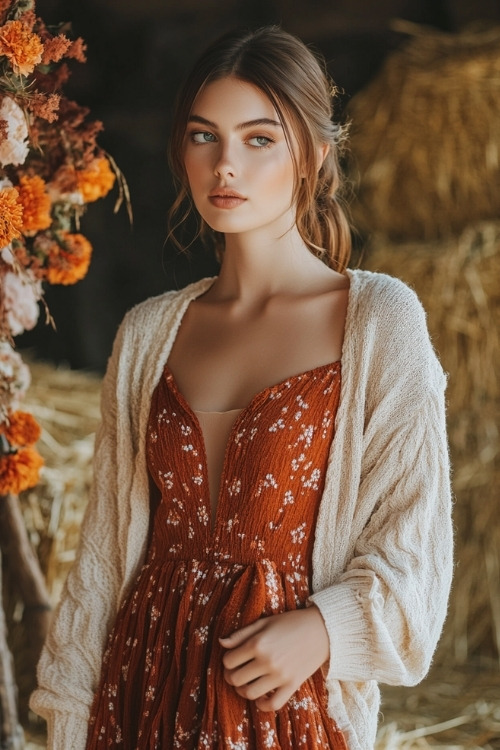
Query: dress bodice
(209, 574)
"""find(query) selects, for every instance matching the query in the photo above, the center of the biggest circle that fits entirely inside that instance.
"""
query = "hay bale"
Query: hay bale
(425, 137)
(66, 404)
(458, 282)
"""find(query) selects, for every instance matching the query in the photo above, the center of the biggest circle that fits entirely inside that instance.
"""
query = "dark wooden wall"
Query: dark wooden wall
(137, 52)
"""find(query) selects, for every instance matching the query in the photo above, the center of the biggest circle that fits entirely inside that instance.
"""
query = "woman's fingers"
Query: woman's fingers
(240, 647)
(275, 699)
(268, 696)
(239, 636)
(249, 672)
(260, 688)
(269, 659)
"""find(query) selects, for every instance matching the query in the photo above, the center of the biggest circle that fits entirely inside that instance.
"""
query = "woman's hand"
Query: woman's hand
(269, 660)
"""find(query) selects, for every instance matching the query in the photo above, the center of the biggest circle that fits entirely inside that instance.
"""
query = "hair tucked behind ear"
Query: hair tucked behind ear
(297, 84)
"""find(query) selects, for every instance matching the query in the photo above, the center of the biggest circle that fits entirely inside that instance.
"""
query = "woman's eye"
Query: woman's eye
(203, 137)
(260, 141)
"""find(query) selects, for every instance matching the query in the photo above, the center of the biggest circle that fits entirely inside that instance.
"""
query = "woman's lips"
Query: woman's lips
(226, 199)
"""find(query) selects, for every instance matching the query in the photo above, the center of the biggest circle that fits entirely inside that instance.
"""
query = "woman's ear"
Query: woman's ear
(321, 153)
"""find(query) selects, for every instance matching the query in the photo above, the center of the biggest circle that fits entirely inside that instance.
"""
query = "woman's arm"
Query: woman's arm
(70, 663)
(385, 612)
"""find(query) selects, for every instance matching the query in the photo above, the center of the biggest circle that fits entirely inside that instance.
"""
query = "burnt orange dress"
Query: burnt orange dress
(162, 683)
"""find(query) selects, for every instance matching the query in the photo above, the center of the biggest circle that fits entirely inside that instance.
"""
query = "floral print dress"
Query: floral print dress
(162, 684)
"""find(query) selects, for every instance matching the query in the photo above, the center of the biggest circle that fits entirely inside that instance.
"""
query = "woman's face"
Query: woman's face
(238, 164)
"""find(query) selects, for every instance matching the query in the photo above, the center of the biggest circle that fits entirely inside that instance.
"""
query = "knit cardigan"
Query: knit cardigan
(382, 557)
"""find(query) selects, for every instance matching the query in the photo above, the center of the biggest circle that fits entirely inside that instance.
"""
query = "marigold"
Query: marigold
(22, 48)
(11, 215)
(22, 429)
(96, 180)
(69, 261)
(19, 471)
(36, 204)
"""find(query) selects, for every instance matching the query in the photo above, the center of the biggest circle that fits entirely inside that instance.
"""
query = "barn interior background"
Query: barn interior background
(421, 83)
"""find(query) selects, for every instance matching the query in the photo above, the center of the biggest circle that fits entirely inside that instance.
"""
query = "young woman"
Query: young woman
(269, 531)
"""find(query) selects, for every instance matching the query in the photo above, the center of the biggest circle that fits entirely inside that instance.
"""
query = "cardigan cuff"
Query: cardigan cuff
(65, 731)
(351, 653)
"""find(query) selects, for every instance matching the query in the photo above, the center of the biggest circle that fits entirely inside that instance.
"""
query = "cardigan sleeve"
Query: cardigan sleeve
(69, 667)
(385, 612)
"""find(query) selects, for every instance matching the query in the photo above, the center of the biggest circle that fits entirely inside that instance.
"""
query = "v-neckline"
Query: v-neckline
(210, 281)
(259, 396)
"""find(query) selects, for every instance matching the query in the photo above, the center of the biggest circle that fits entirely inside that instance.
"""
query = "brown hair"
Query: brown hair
(299, 88)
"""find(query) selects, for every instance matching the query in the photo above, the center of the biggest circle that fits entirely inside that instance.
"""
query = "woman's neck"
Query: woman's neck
(255, 268)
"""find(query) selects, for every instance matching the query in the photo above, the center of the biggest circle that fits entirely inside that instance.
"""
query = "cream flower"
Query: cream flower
(14, 378)
(7, 255)
(14, 148)
(21, 295)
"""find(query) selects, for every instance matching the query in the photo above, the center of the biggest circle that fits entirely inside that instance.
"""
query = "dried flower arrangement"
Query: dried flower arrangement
(51, 167)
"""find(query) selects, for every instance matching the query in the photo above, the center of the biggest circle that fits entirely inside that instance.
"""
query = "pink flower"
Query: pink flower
(21, 295)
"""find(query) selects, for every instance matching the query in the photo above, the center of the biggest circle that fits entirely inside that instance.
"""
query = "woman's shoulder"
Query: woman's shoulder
(383, 300)
(389, 314)
(375, 288)
(161, 306)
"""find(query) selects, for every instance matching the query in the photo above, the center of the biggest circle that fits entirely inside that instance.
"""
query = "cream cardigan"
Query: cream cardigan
(382, 558)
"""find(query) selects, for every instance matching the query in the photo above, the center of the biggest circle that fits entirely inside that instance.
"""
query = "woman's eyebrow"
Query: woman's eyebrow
(242, 125)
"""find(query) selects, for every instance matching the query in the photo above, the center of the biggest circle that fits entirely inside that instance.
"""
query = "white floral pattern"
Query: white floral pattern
(162, 684)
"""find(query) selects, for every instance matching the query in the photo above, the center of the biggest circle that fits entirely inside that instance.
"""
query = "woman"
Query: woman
(273, 450)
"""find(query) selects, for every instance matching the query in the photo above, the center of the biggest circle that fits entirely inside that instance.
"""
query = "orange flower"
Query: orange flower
(4, 7)
(4, 129)
(77, 50)
(19, 471)
(96, 180)
(55, 48)
(11, 215)
(69, 262)
(36, 204)
(21, 429)
(44, 106)
(22, 48)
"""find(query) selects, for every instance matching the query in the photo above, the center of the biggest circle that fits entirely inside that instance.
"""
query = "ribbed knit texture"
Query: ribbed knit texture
(382, 557)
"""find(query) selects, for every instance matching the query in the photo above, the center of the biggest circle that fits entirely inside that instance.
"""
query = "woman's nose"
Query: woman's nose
(225, 165)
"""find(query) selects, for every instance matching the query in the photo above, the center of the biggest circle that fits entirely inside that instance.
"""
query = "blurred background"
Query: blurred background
(137, 53)
(420, 84)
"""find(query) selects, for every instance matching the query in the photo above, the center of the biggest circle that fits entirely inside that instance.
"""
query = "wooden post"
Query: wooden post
(11, 733)
(26, 577)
